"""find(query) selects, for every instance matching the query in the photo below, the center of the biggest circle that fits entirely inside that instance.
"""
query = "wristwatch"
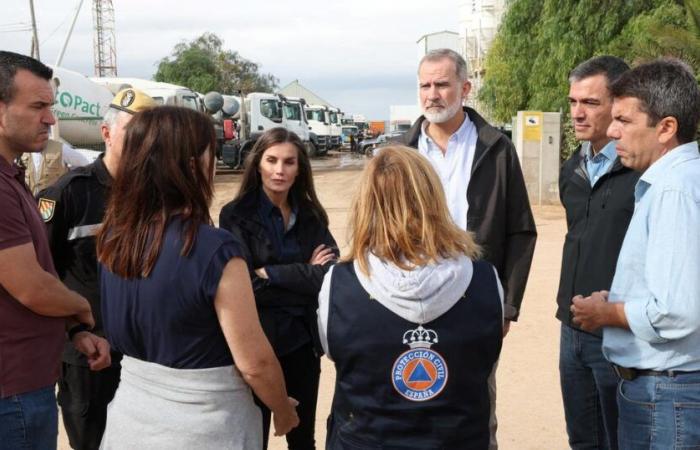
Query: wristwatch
(77, 329)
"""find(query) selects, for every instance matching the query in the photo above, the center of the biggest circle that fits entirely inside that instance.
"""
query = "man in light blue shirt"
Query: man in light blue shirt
(651, 316)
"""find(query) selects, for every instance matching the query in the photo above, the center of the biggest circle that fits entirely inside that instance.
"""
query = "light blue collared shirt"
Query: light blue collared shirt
(454, 167)
(599, 164)
(658, 270)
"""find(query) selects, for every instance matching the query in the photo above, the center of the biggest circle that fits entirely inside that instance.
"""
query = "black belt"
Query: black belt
(629, 374)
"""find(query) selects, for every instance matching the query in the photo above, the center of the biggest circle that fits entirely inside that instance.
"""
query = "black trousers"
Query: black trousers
(84, 396)
(302, 371)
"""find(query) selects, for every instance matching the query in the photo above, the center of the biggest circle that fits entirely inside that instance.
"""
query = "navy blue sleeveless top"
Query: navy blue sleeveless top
(404, 385)
(169, 317)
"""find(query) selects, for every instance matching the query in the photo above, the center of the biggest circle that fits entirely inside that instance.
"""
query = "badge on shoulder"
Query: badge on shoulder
(47, 208)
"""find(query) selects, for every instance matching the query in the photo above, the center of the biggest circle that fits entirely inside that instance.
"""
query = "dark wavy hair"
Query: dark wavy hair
(303, 188)
(160, 174)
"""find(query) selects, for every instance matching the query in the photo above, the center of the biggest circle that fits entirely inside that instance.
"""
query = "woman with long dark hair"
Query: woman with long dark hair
(411, 317)
(285, 231)
(177, 300)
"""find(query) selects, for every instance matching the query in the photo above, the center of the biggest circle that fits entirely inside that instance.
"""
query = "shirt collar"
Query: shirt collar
(11, 170)
(101, 171)
(267, 207)
(608, 151)
(674, 156)
(460, 134)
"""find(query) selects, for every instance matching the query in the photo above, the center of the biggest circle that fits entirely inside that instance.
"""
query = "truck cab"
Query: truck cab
(295, 113)
(162, 93)
(318, 118)
(335, 128)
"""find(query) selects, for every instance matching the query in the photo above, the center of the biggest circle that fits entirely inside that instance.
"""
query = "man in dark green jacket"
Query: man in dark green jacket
(481, 176)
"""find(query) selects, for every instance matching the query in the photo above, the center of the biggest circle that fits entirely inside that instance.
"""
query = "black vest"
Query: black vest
(404, 385)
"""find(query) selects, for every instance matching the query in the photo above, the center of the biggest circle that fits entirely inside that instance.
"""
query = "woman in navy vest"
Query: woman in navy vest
(284, 228)
(177, 300)
(411, 318)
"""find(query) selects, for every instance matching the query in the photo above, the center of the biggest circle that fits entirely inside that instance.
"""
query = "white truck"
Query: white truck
(336, 129)
(162, 93)
(80, 105)
(295, 114)
(175, 95)
(318, 117)
(261, 112)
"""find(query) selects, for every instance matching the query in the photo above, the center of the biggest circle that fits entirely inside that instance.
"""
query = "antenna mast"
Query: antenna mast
(105, 44)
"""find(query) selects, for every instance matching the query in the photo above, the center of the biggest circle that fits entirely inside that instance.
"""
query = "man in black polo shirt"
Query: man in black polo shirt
(73, 209)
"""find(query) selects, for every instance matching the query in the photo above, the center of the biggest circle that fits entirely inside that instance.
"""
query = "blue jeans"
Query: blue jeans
(588, 387)
(29, 421)
(660, 412)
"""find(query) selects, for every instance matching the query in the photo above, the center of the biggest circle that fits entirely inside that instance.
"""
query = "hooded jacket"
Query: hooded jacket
(420, 295)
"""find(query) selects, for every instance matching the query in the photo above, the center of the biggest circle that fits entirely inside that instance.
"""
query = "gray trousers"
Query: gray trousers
(493, 423)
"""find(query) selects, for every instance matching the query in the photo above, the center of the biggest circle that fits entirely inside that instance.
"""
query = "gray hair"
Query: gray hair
(445, 53)
(111, 117)
(665, 87)
(610, 66)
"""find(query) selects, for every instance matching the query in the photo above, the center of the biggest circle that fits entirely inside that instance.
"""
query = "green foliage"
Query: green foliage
(540, 41)
(204, 65)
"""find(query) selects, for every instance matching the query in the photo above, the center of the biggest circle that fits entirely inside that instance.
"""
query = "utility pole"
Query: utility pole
(104, 41)
(35, 37)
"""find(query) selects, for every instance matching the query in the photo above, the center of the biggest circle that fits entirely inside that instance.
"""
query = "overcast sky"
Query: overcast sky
(359, 55)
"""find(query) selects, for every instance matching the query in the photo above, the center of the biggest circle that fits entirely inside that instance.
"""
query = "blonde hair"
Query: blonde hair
(399, 214)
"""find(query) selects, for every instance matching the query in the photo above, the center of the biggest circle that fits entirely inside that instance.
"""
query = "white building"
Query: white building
(478, 24)
(441, 39)
(296, 89)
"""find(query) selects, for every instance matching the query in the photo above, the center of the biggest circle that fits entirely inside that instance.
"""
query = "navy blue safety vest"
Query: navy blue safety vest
(403, 385)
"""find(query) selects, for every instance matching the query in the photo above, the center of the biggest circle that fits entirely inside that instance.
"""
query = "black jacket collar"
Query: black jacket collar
(487, 135)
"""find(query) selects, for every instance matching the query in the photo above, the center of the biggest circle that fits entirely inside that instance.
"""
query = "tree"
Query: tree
(540, 41)
(672, 29)
(204, 65)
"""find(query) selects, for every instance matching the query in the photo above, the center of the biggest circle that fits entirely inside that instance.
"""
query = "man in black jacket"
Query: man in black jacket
(598, 195)
(481, 176)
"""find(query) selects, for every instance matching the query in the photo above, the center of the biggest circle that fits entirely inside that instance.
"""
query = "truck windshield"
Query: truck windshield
(189, 102)
(316, 114)
(334, 117)
(292, 111)
(271, 109)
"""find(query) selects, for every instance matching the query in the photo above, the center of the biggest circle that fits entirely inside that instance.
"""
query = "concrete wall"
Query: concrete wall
(538, 142)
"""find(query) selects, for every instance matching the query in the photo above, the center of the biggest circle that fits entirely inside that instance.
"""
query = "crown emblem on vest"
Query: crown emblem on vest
(420, 337)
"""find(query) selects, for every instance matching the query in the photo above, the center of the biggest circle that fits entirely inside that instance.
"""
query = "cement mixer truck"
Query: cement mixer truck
(261, 111)
(79, 108)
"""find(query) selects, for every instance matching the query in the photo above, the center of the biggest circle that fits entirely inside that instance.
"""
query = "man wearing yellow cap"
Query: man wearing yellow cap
(72, 210)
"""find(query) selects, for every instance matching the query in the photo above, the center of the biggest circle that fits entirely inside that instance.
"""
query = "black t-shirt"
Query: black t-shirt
(169, 317)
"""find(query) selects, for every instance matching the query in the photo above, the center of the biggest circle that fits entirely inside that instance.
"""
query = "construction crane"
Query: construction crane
(104, 41)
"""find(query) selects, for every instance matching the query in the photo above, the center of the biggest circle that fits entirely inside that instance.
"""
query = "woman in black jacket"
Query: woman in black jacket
(284, 230)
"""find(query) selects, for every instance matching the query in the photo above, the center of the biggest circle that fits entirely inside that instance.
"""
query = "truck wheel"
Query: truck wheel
(311, 149)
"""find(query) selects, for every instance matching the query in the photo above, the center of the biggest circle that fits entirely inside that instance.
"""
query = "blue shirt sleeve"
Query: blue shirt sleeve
(212, 276)
(672, 267)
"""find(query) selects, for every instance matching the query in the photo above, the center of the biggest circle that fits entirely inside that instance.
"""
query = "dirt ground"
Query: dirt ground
(529, 409)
